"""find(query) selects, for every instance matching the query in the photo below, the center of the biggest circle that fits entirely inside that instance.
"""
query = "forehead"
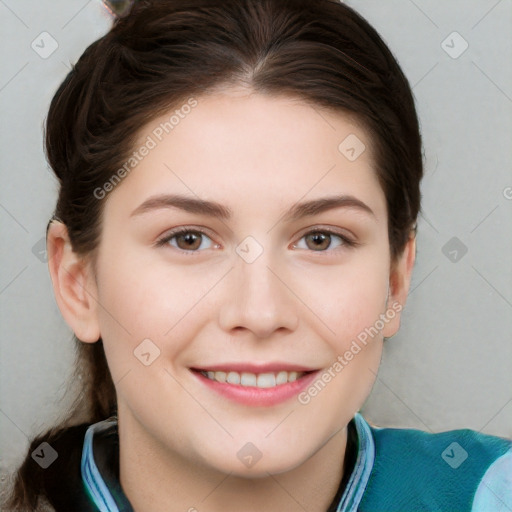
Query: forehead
(241, 147)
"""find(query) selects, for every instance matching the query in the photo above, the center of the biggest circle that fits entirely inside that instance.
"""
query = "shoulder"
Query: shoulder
(454, 470)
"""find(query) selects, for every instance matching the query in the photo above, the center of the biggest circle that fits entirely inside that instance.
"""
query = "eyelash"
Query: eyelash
(345, 241)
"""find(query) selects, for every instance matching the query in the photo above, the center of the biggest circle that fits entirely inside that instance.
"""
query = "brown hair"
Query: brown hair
(166, 51)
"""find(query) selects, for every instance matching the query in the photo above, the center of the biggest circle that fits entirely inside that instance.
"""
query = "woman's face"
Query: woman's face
(284, 263)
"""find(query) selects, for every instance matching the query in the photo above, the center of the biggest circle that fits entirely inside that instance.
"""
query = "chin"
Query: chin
(249, 462)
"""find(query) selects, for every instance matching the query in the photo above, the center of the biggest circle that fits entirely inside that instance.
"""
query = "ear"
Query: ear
(73, 284)
(399, 282)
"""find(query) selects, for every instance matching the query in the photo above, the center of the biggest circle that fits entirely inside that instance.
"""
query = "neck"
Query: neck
(156, 479)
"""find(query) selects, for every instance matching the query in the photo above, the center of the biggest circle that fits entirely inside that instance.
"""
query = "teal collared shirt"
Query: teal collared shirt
(395, 470)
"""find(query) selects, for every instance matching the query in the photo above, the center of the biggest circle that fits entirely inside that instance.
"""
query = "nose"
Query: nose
(258, 299)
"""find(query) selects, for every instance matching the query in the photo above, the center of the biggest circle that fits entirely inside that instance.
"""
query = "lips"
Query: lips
(256, 385)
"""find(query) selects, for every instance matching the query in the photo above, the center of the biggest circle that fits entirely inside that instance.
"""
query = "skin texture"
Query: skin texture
(258, 156)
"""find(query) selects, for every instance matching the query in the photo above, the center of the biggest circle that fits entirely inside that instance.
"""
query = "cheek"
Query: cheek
(354, 337)
(353, 304)
(347, 300)
(150, 300)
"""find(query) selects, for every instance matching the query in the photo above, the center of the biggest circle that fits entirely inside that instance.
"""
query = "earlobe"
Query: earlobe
(399, 283)
(73, 284)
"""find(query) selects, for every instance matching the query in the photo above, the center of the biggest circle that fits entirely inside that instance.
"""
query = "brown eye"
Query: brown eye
(318, 241)
(187, 240)
(322, 240)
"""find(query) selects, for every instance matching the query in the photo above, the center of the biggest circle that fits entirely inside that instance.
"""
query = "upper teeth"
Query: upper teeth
(260, 380)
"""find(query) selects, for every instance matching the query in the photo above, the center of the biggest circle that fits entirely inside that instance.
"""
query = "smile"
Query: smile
(256, 385)
(259, 380)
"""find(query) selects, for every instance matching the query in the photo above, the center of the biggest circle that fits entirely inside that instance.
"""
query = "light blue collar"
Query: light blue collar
(95, 485)
(356, 485)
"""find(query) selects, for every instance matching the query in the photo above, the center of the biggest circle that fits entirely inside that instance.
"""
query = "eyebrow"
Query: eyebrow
(214, 209)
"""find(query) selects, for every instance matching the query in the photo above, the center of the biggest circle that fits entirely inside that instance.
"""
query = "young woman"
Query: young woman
(233, 240)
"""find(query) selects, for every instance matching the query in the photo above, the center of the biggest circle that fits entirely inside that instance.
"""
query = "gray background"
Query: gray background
(450, 366)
